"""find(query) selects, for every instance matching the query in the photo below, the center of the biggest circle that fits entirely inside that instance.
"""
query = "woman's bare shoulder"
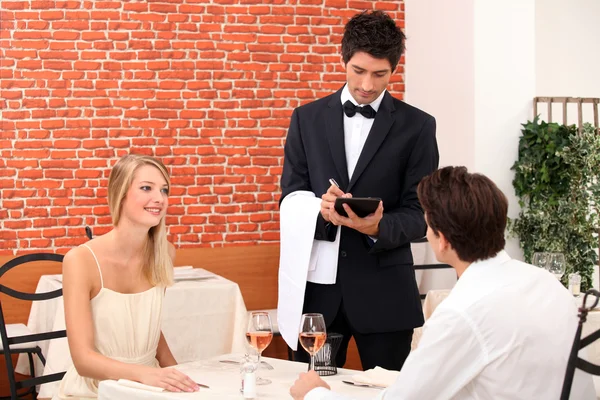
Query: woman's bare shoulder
(80, 262)
(77, 254)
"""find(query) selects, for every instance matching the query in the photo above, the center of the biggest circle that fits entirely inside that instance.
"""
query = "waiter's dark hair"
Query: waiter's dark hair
(374, 33)
(468, 209)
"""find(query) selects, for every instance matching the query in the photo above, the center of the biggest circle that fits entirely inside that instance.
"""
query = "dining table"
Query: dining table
(223, 381)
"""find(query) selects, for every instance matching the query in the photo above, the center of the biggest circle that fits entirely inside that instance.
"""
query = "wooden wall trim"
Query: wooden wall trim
(253, 268)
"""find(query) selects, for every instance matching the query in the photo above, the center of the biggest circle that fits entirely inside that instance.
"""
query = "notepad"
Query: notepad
(361, 206)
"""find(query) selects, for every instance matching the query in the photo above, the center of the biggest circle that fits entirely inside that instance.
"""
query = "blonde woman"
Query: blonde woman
(114, 286)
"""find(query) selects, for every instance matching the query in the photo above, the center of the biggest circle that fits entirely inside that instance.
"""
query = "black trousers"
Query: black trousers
(387, 350)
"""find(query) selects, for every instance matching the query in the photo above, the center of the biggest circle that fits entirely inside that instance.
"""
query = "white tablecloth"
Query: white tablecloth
(224, 381)
(201, 318)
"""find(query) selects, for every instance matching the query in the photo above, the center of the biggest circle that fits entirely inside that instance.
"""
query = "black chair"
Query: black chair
(88, 232)
(428, 266)
(17, 339)
(578, 343)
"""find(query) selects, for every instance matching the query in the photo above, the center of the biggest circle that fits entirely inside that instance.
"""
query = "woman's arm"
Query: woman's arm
(78, 277)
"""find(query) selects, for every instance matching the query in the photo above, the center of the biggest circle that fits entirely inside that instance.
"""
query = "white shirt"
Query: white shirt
(356, 129)
(504, 332)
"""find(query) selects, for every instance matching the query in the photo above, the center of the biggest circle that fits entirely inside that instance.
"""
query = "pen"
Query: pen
(334, 183)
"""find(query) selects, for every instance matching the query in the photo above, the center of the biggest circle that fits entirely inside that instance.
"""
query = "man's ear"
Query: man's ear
(443, 243)
(342, 63)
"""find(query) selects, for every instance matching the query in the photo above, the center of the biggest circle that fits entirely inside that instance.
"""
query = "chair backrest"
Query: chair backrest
(88, 232)
(578, 343)
(7, 342)
(427, 267)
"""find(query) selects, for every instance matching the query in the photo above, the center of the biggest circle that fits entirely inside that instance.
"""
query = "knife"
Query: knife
(202, 385)
(364, 385)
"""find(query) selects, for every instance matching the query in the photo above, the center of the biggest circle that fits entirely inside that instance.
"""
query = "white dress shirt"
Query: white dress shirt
(504, 332)
(356, 129)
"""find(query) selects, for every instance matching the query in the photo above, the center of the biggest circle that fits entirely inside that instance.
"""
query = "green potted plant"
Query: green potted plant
(557, 181)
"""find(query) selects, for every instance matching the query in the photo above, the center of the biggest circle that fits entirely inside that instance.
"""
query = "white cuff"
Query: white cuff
(318, 393)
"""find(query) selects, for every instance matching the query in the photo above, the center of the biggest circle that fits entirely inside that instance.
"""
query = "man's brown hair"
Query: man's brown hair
(468, 209)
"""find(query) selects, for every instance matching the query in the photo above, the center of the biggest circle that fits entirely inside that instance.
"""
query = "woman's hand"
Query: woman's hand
(169, 379)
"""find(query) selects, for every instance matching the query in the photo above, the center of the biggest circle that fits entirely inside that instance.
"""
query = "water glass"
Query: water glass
(575, 284)
(540, 259)
(556, 264)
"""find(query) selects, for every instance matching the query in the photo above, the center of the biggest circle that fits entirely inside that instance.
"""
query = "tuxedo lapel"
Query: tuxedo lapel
(335, 137)
(380, 129)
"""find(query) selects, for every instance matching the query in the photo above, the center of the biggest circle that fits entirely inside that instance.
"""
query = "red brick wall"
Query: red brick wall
(206, 85)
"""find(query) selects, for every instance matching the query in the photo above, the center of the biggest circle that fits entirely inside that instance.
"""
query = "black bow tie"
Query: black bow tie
(350, 109)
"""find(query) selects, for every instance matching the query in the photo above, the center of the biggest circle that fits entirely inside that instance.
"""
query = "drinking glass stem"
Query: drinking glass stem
(258, 366)
(311, 366)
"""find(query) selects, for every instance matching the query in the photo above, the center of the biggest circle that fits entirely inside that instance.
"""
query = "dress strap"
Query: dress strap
(97, 264)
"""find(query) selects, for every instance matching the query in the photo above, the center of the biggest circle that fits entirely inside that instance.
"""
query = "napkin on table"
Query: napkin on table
(377, 376)
(138, 385)
(190, 273)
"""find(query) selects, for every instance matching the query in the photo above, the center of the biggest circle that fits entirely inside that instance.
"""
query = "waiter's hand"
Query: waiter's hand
(306, 382)
(368, 225)
(328, 200)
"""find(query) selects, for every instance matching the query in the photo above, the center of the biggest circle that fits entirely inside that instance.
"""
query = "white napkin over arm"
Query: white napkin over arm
(324, 259)
(301, 258)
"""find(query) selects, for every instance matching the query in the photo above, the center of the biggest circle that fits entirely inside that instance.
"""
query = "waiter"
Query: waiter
(371, 145)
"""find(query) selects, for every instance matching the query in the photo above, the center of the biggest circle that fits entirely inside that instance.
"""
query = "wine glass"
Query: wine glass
(556, 264)
(540, 260)
(312, 335)
(259, 335)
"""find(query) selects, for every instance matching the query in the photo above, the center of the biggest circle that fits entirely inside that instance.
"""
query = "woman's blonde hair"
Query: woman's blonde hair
(157, 264)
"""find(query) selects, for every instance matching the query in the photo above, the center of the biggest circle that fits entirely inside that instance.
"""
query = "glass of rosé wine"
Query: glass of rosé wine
(312, 335)
(259, 335)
